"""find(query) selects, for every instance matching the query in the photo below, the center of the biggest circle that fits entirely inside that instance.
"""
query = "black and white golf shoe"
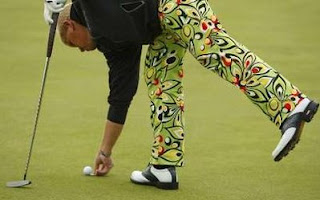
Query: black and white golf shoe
(292, 127)
(161, 178)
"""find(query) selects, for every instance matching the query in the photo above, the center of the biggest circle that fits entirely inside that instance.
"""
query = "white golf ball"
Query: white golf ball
(87, 170)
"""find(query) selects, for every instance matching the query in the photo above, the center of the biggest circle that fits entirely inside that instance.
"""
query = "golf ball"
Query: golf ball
(87, 170)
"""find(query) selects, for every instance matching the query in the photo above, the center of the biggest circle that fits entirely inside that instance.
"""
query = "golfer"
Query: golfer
(179, 25)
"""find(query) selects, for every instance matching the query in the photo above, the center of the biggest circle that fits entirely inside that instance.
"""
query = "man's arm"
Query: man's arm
(103, 163)
(123, 82)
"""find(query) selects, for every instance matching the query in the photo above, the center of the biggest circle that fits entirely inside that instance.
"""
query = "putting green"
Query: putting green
(228, 141)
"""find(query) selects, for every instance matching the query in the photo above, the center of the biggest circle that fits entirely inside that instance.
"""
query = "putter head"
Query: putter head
(17, 184)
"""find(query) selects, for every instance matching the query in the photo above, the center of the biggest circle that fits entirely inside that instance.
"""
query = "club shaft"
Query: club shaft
(43, 82)
(44, 77)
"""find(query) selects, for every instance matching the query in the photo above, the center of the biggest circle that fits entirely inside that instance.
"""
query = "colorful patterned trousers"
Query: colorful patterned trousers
(192, 25)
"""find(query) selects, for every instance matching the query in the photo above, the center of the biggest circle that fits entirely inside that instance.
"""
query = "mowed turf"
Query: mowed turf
(228, 140)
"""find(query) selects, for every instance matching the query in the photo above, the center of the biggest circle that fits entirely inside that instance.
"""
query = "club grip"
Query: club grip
(52, 33)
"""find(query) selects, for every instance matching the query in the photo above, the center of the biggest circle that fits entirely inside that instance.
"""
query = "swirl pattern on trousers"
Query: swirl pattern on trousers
(192, 25)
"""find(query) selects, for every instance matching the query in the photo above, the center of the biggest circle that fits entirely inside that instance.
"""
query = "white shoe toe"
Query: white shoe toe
(137, 176)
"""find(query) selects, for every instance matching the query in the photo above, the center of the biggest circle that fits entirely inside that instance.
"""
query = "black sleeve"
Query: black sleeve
(123, 81)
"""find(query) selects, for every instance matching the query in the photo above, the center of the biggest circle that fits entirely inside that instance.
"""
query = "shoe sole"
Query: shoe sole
(160, 185)
(307, 116)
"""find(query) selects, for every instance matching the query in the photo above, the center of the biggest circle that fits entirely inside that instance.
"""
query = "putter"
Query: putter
(24, 182)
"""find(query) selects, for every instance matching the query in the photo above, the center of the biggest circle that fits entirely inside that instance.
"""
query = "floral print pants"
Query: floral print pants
(192, 25)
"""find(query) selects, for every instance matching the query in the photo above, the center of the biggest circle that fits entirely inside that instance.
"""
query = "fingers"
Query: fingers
(55, 6)
(57, 10)
(47, 15)
(96, 166)
(52, 6)
(103, 169)
(102, 165)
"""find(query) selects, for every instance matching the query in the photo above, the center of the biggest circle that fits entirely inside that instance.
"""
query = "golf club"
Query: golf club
(24, 182)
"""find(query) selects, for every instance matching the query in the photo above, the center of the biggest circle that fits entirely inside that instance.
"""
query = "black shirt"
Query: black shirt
(124, 63)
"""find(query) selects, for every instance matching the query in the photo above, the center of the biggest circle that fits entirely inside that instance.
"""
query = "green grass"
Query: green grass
(228, 142)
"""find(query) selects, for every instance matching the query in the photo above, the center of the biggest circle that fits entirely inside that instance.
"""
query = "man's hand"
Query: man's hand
(52, 6)
(103, 164)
